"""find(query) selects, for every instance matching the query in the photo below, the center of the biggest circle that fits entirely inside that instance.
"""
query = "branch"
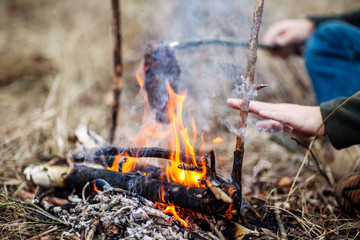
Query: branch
(104, 155)
(247, 87)
(117, 82)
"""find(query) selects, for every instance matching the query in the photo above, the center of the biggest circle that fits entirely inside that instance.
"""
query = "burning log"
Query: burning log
(105, 156)
(198, 199)
(161, 67)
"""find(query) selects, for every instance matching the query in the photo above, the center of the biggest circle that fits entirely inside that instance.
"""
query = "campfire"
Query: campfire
(179, 181)
(164, 173)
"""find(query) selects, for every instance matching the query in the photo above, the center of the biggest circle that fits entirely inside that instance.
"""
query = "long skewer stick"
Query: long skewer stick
(117, 82)
(247, 90)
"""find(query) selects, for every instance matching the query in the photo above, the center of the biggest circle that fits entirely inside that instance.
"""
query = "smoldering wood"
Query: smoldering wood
(212, 164)
(160, 67)
(105, 156)
(189, 167)
(118, 68)
(192, 198)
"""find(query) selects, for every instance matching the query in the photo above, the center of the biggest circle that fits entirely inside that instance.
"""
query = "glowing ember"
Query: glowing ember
(98, 186)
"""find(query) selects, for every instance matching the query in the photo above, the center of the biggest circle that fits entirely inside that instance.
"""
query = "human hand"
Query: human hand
(298, 119)
(288, 35)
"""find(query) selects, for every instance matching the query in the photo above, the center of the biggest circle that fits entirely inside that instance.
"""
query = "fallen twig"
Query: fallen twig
(321, 171)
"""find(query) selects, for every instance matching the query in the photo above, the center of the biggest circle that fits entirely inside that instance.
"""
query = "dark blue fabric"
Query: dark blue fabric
(332, 57)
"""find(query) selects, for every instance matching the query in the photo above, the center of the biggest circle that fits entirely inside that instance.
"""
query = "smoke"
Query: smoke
(209, 73)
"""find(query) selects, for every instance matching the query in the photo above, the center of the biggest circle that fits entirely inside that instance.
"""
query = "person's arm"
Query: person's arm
(298, 119)
(288, 35)
(349, 17)
(343, 128)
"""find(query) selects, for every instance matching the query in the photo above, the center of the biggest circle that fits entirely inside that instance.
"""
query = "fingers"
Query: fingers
(268, 126)
(283, 117)
(254, 106)
(284, 113)
(234, 103)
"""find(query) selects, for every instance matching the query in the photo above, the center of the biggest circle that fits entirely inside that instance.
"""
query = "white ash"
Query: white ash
(125, 217)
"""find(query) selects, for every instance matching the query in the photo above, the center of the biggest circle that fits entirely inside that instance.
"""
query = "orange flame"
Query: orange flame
(180, 135)
(177, 138)
(171, 209)
(217, 140)
(127, 166)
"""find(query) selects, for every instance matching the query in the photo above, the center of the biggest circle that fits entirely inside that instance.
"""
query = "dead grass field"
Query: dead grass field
(56, 73)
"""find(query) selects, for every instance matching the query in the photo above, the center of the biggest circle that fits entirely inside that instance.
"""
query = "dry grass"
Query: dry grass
(56, 73)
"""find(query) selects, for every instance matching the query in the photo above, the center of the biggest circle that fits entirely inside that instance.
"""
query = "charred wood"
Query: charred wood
(193, 198)
(189, 167)
(212, 164)
(105, 156)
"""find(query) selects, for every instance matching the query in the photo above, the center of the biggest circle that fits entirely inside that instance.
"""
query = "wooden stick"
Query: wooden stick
(103, 154)
(212, 164)
(117, 82)
(247, 89)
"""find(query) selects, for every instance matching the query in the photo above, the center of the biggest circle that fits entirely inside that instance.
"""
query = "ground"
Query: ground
(56, 73)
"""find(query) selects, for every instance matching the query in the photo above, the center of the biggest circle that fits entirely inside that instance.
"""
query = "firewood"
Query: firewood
(105, 156)
(46, 176)
(193, 198)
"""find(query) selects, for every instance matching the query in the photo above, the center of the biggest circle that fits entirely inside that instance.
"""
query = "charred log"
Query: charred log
(161, 67)
(105, 156)
(193, 198)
